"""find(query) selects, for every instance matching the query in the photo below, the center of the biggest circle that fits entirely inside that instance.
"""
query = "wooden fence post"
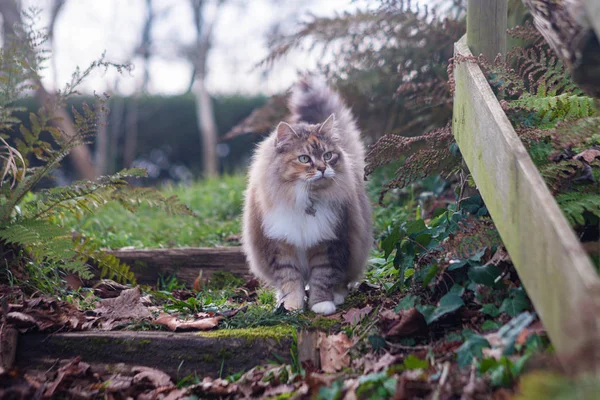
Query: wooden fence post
(486, 27)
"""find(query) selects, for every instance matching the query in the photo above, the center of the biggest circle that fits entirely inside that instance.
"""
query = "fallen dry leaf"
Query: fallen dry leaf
(174, 323)
(74, 369)
(355, 315)
(382, 364)
(20, 320)
(73, 281)
(588, 155)
(155, 377)
(108, 289)
(408, 323)
(127, 306)
(334, 351)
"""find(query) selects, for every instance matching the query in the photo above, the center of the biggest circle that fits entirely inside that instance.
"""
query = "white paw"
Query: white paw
(339, 298)
(324, 307)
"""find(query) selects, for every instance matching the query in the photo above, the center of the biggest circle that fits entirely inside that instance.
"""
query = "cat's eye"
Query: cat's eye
(327, 156)
(304, 159)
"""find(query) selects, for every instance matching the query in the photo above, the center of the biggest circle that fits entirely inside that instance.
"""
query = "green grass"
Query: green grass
(216, 202)
(218, 206)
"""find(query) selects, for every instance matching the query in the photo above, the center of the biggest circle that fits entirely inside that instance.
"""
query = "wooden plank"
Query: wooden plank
(8, 346)
(177, 354)
(556, 272)
(185, 263)
(486, 27)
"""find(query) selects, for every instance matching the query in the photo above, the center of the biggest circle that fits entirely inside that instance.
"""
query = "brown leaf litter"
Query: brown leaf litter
(333, 350)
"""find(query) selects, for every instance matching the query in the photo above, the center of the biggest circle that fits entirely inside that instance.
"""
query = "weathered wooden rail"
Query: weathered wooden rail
(557, 273)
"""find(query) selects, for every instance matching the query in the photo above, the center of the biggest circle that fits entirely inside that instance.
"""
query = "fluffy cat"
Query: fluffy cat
(307, 217)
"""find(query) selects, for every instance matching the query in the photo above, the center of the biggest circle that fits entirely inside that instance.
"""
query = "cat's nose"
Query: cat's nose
(321, 168)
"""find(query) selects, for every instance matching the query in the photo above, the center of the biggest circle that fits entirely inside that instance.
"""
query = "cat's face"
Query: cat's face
(308, 153)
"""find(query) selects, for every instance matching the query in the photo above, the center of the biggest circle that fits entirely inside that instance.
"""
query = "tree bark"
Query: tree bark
(204, 109)
(101, 156)
(207, 127)
(131, 132)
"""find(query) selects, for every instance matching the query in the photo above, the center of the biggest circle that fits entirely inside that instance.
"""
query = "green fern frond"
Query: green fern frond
(565, 106)
(81, 197)
(557, 175)
(132, 198)
(575, 205)
(110, 266)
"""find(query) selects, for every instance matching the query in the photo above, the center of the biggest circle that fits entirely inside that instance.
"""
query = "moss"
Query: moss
(282, 396)
(355, 299)
(324, 324)
(277, 332)
(98, 341)
(144, 342)
(225, 354)
(208, 358)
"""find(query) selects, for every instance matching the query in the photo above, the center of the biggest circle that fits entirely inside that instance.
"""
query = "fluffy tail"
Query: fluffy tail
(313, 101)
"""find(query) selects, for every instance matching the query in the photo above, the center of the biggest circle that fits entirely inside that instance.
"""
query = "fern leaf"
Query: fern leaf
(575, 205)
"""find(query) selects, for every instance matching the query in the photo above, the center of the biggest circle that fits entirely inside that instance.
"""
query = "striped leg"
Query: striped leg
(290, 286)
(327, 275)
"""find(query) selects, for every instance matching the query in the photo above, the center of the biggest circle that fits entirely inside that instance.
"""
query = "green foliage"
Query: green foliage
(31, 226)
(470, 350)
(503, 372)
(216, 205)
(562, 107)
(578, 207)
(449, 303)
(376, 386)
(515, 303)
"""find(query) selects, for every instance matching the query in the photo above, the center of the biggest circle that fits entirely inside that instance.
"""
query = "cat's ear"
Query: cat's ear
(326, 127)
(285, 132)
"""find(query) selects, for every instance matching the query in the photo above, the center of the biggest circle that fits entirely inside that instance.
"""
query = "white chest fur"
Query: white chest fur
(299, 228)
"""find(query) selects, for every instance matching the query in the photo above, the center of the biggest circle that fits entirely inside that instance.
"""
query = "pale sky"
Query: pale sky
(86, 28)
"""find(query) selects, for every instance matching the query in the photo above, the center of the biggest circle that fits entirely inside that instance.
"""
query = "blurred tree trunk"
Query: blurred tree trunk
(81, 156)
(145, 47)
(55, 9)
(204, 108)
(101, 154)
(131, 132)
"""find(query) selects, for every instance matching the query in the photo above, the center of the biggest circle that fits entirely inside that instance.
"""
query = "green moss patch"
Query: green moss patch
(251, 334)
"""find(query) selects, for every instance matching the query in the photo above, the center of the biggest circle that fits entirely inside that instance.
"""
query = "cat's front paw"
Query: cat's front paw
(324, 307)
(291, 301)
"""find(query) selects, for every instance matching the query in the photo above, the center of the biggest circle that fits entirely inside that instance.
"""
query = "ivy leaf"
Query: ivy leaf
(334, 392)
(485, 274)
(457, 265)
(471, 349)
(423, 239)
(491, 310)
(449, 303)
(377, 342)
(489, 325)
(426, 274)
(407, 302)
(411, 362)
(415, 226)
(515, 303)
(389, 242)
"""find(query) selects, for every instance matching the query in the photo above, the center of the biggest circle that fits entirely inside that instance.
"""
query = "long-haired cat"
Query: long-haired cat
(307, 218)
